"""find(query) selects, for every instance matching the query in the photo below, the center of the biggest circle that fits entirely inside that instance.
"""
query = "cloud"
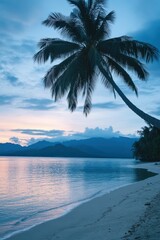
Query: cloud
(156, 111)
(105, 105)
(150, 33)
(15, 140)
(24, 46)
(16, 63)
(61, 135)
(38, 104)
(147, 9)
(17, 14)
(98, 132)
(12, 27)
(39, 132)
(11, 79)
(18, 49)
(6, 100)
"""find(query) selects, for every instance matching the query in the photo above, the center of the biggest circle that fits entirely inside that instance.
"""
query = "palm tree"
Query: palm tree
(89, 52)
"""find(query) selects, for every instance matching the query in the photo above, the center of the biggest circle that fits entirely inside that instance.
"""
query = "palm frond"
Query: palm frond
(128, 46)
(80, 4)
(69, 26)
(73, 74)
(107, 78)
(104, 28)
(56, 20)
(90, 3)
(76, 3)
(54, 49)
(89, 88)
(63, 83)
(86, 17)
(110, 17)
(74, 79)
(120, 71)
(92, 75)
(99, 3)
(102, 2)
(132, 64)
(72, 97)
(144, 50)
(57, 70)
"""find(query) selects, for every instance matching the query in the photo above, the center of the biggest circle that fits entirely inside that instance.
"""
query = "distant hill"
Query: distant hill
(94, 147)
(111, 147)
(41, 144)
(9, 148)
(59, 150)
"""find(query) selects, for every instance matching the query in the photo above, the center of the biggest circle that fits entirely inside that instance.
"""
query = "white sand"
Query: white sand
(114, 216)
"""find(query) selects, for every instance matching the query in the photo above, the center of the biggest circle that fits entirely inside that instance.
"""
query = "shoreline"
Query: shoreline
(110, 216)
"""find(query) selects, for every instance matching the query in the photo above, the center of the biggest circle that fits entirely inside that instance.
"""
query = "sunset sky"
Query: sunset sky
(27, 111)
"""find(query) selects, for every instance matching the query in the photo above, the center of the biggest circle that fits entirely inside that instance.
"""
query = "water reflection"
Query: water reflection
(37, 189)
(141, 174)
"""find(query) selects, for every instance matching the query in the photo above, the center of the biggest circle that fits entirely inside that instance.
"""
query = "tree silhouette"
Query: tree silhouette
(90, 53)
(147, 148)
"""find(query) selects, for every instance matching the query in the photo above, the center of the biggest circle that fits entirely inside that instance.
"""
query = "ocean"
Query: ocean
(35, 190)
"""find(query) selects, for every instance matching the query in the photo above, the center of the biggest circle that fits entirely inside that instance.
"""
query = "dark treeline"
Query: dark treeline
(147, 148)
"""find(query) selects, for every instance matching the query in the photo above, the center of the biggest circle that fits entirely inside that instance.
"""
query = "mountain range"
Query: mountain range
(120, 147)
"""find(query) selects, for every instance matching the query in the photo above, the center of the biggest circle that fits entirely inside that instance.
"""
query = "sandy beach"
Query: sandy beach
(131, 212)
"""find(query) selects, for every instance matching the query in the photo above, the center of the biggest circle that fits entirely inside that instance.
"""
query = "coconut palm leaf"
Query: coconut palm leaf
(74, 74)
(128, 46)
(54, 48)
(90, 4)
(120, 71)
(102, 24)
(68, 26)
(88, 100)
(57, 70)
(132, 64)
(106, 75)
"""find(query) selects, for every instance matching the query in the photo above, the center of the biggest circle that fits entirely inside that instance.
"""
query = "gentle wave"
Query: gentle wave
(77, 203)
(55, 208)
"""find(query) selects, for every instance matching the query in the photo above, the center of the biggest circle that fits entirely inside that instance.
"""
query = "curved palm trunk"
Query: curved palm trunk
(146, 117)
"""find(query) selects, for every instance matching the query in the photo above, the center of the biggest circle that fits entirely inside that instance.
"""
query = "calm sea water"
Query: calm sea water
(34, 190)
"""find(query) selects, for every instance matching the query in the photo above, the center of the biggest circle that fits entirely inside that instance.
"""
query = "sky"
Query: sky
(27, 111)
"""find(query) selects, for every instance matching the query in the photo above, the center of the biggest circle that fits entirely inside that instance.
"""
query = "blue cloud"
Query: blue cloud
(12, 27)
(105, 105)
(38, 104)
(150, 33)
(15, 140)
(11, 79)
(23, 46)
(6, 100)
(27, 46)
(156, 111)
(16, 47)
(16, 14)
(13, 53)
(147, 9)
(39, 132)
